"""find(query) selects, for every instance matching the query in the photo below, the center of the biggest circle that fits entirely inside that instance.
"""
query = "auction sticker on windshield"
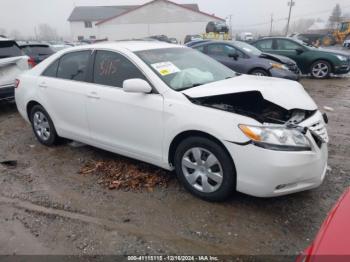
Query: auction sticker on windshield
(166, 68)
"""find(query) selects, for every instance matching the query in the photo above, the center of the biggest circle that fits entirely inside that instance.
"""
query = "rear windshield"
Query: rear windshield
(9, 49)
(37, 50)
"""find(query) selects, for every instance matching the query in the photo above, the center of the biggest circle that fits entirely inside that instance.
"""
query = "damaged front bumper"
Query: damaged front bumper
(267, 173)
(285, 74)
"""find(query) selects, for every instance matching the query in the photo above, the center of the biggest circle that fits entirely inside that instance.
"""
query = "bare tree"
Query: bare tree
(46, 32)
(335, 18)
(15, 34)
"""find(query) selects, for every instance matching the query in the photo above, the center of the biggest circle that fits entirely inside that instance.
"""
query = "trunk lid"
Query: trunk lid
(10, 68)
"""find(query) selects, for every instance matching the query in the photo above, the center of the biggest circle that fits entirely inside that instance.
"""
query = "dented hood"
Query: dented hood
(285, 93)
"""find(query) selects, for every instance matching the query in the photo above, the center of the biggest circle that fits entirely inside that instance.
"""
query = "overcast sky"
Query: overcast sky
(23, 15)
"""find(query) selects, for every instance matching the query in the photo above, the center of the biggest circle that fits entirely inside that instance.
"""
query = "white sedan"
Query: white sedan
(176, 108)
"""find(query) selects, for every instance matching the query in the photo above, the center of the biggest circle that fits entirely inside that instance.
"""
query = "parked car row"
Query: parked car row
(277, 57)
(246, 59)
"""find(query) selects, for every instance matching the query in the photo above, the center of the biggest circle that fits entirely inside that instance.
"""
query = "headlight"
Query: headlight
(277, 137)
(342, 58)
(279, 66)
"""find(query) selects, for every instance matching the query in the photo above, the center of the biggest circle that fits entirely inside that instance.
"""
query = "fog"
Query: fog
(22, 16)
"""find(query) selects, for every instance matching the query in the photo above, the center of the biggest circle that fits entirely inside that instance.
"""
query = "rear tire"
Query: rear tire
(43, 127)
(321, 69)
(205, 169)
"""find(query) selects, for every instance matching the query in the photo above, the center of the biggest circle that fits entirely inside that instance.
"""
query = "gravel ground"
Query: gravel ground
(46, 207)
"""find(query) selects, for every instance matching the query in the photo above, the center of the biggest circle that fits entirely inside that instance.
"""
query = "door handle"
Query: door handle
(93, 95)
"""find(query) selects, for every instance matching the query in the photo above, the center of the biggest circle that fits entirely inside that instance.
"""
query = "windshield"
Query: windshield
(184, 68)
(248, 48)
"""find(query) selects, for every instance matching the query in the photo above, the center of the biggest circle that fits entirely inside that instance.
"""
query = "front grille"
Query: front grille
(319, 132)
(294, 68)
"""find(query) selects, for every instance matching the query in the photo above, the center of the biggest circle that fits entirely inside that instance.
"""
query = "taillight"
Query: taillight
(31, 62)
(17, 83)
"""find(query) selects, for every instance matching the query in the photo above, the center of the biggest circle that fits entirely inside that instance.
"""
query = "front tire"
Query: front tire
(321, 69)
(259, 72)
(205, 169)
(43, 127)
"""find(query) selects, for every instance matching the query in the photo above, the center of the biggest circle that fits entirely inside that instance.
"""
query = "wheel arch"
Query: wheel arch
(259, 68)
(30, 105)
(321, 59)
(189, 133)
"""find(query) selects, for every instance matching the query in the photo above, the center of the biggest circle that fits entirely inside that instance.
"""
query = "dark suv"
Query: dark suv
(36, 52)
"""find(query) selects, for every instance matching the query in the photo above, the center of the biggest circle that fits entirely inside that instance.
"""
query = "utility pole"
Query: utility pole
(271, 25)
(290, 4)
(230, 25)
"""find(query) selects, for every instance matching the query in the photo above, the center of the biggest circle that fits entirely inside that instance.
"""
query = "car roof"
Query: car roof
(33, 45)
(133, 45)
(210, 41)
(6, 39)
(277, 37)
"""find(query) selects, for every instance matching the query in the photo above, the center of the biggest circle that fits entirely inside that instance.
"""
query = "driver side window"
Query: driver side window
(222, 50)
(112, 69)
(286, 45)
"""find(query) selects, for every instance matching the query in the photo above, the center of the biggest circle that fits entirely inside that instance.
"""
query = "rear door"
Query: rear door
(127, 123)
(63, 88)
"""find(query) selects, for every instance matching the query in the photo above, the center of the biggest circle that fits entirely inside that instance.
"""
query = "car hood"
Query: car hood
(287, 94)
(330, 51)
(278, 58)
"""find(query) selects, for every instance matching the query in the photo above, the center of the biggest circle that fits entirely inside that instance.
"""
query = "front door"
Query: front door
(126, 123)
(222, 52)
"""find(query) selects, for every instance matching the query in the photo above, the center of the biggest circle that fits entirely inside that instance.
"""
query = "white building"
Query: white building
(158, 17)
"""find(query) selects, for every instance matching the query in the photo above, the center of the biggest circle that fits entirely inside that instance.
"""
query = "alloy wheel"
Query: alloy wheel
(320, 70)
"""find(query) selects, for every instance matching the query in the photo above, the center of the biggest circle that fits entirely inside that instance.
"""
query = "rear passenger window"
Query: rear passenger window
(51, 71)
(112, 69)
(74, 66)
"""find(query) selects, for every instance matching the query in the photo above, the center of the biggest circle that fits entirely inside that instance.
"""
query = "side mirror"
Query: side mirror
(299, 50)
(234, 55)
(136, 85)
